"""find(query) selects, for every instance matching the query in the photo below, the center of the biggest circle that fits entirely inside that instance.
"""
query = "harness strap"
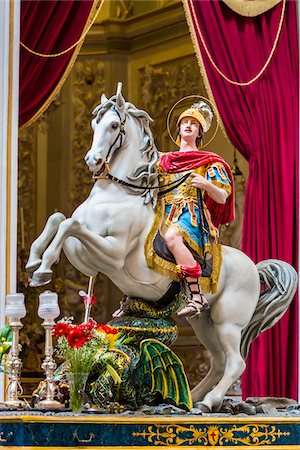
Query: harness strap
(174, 184)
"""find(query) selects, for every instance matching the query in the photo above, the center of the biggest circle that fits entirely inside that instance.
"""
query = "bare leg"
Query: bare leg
(183, 256)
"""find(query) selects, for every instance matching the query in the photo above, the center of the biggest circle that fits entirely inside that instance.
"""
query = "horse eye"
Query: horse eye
(115, 126)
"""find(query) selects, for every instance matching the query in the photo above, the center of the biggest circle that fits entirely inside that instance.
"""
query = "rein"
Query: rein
(172, 185)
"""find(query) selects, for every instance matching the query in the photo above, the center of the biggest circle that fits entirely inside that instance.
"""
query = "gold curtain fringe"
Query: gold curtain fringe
(237, 83)
(82, 37)
(37, 115)
(202, 67)
(250, 8)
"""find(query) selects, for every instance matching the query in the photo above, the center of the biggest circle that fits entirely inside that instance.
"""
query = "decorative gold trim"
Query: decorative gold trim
(249, 8)
(82, 37)
(202, 67)
(212, 105)
(169, 435)
(168, 269)
(163, 267)
(154, 419)
(222, 185)
(65, 74)
(213, 63)
(148, 329)
(151, 447)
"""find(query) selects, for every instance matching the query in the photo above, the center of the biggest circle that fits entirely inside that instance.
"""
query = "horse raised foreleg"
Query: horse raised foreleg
(106, 251)
(40, 244)
(230, 337)
(205, 331)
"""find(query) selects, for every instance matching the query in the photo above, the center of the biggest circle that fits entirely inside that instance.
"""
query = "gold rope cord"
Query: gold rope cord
(246, 83)
(93, 14)
(82, 37)
(250, 8)
(202, 67)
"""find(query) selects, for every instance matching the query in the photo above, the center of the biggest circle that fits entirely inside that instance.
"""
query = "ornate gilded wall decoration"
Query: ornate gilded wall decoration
(124, 9)
(195, 360)
(161, 86)
(27, 187)
(89, 82)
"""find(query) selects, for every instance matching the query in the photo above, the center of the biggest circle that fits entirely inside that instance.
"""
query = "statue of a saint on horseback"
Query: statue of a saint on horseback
(190, 211)
(149, 220)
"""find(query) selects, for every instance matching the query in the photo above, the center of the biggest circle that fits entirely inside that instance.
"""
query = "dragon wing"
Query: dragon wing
(162, 371)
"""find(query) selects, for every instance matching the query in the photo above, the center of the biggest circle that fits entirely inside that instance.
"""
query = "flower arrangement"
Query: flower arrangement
(82, 346)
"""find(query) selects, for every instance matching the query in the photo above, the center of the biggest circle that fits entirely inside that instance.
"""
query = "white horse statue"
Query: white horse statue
(106, 234)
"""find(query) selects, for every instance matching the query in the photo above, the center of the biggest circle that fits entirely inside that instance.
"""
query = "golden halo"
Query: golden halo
(212, 108)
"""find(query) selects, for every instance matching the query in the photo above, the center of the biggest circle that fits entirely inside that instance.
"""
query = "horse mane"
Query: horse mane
(146, 171)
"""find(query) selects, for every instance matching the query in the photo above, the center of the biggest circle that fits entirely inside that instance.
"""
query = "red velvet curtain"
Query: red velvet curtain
(47, 26)
(261, 121)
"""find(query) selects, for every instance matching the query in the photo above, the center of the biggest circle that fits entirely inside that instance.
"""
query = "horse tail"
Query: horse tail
(279, 284)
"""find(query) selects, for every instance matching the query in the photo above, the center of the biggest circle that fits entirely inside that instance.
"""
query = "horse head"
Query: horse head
(118, 125)
(109, 131)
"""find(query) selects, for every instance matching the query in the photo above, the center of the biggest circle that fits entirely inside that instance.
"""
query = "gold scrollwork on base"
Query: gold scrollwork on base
(248, 435)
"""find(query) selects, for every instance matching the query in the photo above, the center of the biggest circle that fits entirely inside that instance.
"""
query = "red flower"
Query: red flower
(76, 337)
(61, 329)
(87, 328)
(107, 329)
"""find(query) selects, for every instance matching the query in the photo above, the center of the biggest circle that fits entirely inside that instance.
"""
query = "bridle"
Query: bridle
(121, 134)
(107, 176)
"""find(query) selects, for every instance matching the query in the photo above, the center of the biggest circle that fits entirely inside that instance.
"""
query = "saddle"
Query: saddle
(161, 249)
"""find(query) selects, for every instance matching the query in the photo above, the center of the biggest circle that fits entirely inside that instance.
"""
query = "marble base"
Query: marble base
(66, 431)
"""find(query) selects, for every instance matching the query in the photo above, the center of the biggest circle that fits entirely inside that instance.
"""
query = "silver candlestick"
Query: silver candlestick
(15, 310)
(49, 310)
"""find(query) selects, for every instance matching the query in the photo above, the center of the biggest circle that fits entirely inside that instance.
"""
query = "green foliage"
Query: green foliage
(5, 344)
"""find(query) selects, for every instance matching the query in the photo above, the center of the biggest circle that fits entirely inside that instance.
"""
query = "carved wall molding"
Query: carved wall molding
(89, 82)
(196, 362)
(124, 9)
(161, 86)
(27, 186)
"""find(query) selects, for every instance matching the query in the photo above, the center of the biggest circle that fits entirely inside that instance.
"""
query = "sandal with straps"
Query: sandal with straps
(194, 307)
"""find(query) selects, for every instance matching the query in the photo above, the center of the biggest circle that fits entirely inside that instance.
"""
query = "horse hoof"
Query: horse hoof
(41, 279)
(31, 268)
(203, 408)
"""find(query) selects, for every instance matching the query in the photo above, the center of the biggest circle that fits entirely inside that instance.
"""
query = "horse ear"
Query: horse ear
(120, 102)
(103, 98)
